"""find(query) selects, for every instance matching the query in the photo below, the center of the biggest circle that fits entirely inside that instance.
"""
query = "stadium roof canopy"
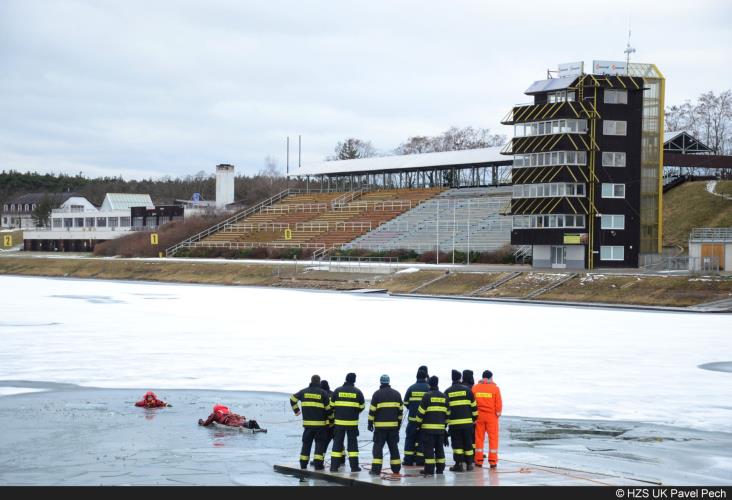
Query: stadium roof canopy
(483, 157)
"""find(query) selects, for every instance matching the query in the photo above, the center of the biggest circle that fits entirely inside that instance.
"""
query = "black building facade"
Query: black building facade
(587, 171)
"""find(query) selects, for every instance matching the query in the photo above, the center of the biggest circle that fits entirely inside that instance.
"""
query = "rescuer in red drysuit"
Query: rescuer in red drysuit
(150, 400)
(222, 415)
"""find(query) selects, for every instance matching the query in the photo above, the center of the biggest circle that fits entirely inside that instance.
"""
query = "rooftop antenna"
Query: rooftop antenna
(628, 50)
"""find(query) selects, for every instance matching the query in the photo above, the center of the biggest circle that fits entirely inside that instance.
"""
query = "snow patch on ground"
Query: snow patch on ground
(408, 270)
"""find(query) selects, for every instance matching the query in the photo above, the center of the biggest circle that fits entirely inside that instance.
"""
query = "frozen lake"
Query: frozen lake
(612, 391)
(550, 362)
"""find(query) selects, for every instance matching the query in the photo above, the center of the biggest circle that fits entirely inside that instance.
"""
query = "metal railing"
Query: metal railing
(367, 265)
(332, 226)
(252, 244)
(297, 207)
(234, 218)
(378, 205)
(711, 234)
(257, 226)
(348, 197)
(709, 264)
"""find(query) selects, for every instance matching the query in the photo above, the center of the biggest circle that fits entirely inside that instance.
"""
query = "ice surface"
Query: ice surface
(11, 391)
(550, 362)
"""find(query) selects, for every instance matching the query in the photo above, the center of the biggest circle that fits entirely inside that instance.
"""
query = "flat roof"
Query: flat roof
(465, 157)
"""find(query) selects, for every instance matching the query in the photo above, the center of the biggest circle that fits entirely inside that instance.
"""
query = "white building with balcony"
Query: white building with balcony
(77, 225)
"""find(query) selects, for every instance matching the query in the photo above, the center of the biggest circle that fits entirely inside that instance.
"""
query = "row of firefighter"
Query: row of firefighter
(461, 415)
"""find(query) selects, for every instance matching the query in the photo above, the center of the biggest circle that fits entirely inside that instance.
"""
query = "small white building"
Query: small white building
(710, 249)
(77, 225)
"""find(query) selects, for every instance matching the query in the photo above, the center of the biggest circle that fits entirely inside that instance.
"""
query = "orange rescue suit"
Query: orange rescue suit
(488, 397)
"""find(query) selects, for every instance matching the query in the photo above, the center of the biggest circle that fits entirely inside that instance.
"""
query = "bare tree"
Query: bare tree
(709, 119)
(415, 145)
(453, 139)
(270, 168)
(352, 149)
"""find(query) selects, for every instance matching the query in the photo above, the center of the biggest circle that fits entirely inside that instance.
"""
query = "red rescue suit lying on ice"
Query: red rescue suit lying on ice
(222, 415)
(150, 400)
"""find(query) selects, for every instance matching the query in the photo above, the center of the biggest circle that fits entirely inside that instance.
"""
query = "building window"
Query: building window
(113, 221)
(137, 222)
(5, 220)
(612, 253)
(548, 190)
(27, 207)
(552, 158)
(124, 222)
(550, 127)
(79, 221)
(90, 222)
(560, 96)
(612, 159)
(613, 222)
(548, 221)
(56, 222)
(614, 127)
(5, 208)
(614, 96)
(613, 190)
(101, 222)
(68, 222)
(77, 208)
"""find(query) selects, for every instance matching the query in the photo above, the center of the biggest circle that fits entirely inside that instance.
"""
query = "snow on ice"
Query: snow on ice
(551, 362)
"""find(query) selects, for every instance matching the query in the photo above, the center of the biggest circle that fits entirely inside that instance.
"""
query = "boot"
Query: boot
(457, 468)
(375, 471)
(469, 466)
(493, 466)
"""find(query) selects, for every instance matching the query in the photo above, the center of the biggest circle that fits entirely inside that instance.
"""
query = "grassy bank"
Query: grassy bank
(618, 289)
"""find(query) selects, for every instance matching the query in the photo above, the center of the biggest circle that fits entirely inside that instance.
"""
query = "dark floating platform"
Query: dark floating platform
(508, 473)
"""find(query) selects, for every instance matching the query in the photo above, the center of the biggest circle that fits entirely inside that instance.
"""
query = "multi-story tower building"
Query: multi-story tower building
(587, 167)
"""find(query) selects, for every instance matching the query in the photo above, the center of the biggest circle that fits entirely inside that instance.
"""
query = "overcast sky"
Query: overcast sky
(152, 88)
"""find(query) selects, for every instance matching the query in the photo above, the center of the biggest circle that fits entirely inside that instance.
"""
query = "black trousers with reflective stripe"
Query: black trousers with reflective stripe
(391, 438)
(462, 444)
(310, 434)
(433, 446)
(413, 446)
(339, 435)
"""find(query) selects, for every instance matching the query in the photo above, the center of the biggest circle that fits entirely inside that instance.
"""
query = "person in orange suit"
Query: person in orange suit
(488, 397)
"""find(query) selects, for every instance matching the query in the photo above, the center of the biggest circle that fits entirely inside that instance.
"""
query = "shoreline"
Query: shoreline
(507, 284)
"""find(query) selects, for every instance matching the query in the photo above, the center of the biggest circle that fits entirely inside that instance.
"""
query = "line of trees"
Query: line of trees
(452, 139)
(247, 189)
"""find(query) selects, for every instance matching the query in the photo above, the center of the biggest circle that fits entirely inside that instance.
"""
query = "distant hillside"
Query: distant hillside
(690, 205)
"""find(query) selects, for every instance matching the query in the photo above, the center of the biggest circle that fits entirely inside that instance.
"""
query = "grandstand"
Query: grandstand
(466, 219)
(415, 202)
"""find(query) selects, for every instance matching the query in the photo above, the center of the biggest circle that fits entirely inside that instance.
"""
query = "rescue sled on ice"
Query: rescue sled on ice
(237, 428)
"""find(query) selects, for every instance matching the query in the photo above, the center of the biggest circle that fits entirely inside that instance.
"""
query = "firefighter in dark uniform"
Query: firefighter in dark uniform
(433, 413)
(385, 420)
(348, 403)
(463, 414)
(412, 445)
(316, 413)
(326, 387)
(468, 381)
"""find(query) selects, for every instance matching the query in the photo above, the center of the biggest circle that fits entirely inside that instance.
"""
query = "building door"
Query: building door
(712, 256)
(559, 257)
